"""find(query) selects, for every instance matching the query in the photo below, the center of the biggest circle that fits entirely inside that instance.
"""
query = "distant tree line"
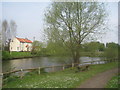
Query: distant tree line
(110, 50)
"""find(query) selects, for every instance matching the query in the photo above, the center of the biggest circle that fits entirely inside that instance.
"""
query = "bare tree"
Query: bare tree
(8, 33)
(4, 35)
(73, 22)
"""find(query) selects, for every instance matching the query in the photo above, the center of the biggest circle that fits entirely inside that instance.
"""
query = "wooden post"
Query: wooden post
(72, 65)
(39, 70)
(63, 67)
(21, 75)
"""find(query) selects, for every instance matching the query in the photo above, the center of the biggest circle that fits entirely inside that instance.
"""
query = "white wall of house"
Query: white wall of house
(16, 45)
(24, 48)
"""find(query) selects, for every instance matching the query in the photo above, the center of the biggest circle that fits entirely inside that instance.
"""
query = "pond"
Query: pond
(36, 62)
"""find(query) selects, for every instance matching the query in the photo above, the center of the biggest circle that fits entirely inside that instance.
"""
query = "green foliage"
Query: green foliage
(36, 47)
(10, 79)
(112, 45)
(62, 79)
(92, 54)
(68, 24)
(6, 55)
(57, 49)
(93, 47)
(111, 50)
(18, 54)
(113, 83)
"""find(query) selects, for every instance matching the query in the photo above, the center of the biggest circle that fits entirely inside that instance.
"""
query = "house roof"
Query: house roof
(24, 40)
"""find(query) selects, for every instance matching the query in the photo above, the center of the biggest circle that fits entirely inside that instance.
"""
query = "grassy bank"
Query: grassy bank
(6, 55)
(61, 79)
(15, 55)
(92, 54)
(113, 83)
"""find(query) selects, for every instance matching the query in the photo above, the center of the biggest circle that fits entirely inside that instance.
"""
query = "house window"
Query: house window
(11, 48)
(17, 48)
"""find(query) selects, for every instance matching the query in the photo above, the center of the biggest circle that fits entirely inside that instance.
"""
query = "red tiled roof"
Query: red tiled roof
(24, 40)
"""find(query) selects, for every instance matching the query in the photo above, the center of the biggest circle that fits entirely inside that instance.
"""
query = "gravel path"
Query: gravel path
(100, 80)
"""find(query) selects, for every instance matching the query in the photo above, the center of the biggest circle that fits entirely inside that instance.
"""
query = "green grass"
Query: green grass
(6, 55)
(20, 54)
(113, 83)
(61, 79)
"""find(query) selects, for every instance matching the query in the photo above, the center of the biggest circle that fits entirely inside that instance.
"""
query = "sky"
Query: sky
(29, 17)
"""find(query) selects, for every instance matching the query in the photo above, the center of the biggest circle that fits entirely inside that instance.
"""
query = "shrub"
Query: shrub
(113, 83)
(6, 55)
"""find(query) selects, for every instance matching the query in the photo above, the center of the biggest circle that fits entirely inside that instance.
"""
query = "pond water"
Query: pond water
(36, 62)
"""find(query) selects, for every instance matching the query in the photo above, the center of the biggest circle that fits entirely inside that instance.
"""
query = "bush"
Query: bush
(111, 53)
(9, 79)
(6, 55)
(113, 83)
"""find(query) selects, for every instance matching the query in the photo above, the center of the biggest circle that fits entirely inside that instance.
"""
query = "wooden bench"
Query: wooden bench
(82, 68)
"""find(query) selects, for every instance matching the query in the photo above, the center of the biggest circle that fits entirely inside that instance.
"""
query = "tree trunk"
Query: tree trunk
(76, 57)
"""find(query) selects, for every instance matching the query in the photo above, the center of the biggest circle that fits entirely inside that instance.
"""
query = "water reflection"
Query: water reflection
(41, 62)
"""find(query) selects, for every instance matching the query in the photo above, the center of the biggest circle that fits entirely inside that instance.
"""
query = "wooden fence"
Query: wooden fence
(62, 66)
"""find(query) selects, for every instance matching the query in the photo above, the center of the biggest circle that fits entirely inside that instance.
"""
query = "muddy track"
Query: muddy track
(99, 80)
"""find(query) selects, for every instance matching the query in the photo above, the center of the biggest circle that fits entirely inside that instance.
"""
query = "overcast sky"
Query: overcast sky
(29, 17)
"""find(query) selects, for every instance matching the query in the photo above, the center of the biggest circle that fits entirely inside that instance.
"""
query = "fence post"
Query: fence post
(72, 65)
(39, 70)
(63, 67)
(21, 75)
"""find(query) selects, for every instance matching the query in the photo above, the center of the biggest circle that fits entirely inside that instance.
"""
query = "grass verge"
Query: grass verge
(113, 83)
(61, 79)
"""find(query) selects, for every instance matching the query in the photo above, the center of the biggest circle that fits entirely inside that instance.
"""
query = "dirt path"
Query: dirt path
(100, 80)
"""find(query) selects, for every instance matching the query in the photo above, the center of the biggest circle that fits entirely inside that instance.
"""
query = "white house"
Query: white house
(20, 44)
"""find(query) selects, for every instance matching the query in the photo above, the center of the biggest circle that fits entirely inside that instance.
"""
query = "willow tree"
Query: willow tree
(73, 22)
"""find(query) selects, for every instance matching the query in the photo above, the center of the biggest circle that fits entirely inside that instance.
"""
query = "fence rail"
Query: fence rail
(63, 66)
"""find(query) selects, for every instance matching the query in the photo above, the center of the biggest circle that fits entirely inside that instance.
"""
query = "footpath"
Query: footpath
(99, 80)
